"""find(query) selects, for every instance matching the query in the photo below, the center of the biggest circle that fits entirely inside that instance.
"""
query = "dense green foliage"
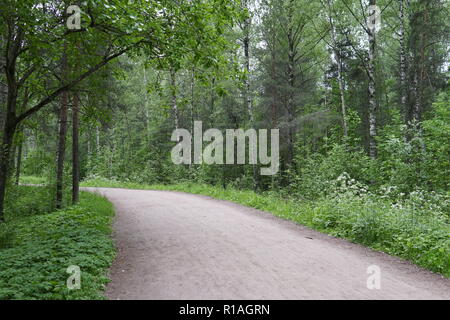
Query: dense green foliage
(32, 180)
(37, 247)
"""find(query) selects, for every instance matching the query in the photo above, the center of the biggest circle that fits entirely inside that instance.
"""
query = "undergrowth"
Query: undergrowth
(37, 247)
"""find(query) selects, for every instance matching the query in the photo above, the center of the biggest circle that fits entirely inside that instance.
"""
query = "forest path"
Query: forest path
(179, 246)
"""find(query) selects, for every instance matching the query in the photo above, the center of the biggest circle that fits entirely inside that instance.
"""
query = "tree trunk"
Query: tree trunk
(419, 75)
(291, 83)
(173, 84)
(247, 90)
(193, 113)
(146, 112)
(10, 123)
(274, 109)
(338, 57)
(273, 76)
(61, 152)
(3, 87)
(8, 136)
(192, 105)
(417, 100)
(75, 151)
(247, 97)
(291, 111)
(19, 162)
(403, 66)
(372, 91)
(342, 94)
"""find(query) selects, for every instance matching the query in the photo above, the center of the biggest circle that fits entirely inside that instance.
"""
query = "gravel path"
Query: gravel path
(179, 246)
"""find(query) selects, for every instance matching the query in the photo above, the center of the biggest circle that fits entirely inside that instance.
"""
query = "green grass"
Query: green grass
(36, 247)
(32, 180)
(423, 237)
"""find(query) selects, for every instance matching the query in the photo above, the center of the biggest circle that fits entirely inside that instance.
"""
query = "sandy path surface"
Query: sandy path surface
(180, 246)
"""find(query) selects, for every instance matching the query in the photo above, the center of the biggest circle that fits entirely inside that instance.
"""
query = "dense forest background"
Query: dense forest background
(363, 110)
(378, 114)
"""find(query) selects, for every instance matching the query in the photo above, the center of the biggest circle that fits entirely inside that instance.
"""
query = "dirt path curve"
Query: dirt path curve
(181, 246)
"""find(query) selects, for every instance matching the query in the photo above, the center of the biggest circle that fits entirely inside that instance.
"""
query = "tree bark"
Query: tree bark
(247, 90)
(19, 162)
(193, 114)
(273, 76)
(403, 66)
(14, 40)
(338, 56)
(291, 82)
(7, 141)
(247, 96)
(342, 93)
(372, 91)
(75, 150)
(3, 87)
(62, 132)
(419, 74)
(146, 111)
(173, 84)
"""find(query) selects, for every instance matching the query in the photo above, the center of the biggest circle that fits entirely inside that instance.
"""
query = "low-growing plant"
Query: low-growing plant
(37, 249)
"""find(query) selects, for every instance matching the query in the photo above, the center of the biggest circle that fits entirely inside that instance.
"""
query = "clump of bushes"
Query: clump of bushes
(414, 226)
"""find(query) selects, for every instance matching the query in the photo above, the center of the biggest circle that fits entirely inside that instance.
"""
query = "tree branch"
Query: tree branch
(70, 85)
(354, 16)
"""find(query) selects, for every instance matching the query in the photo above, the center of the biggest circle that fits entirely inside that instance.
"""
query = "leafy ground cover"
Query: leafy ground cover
(37, 246)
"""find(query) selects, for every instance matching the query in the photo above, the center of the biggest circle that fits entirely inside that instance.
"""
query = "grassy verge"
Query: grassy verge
(419, 235)
(32, 180)
(36, 248)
